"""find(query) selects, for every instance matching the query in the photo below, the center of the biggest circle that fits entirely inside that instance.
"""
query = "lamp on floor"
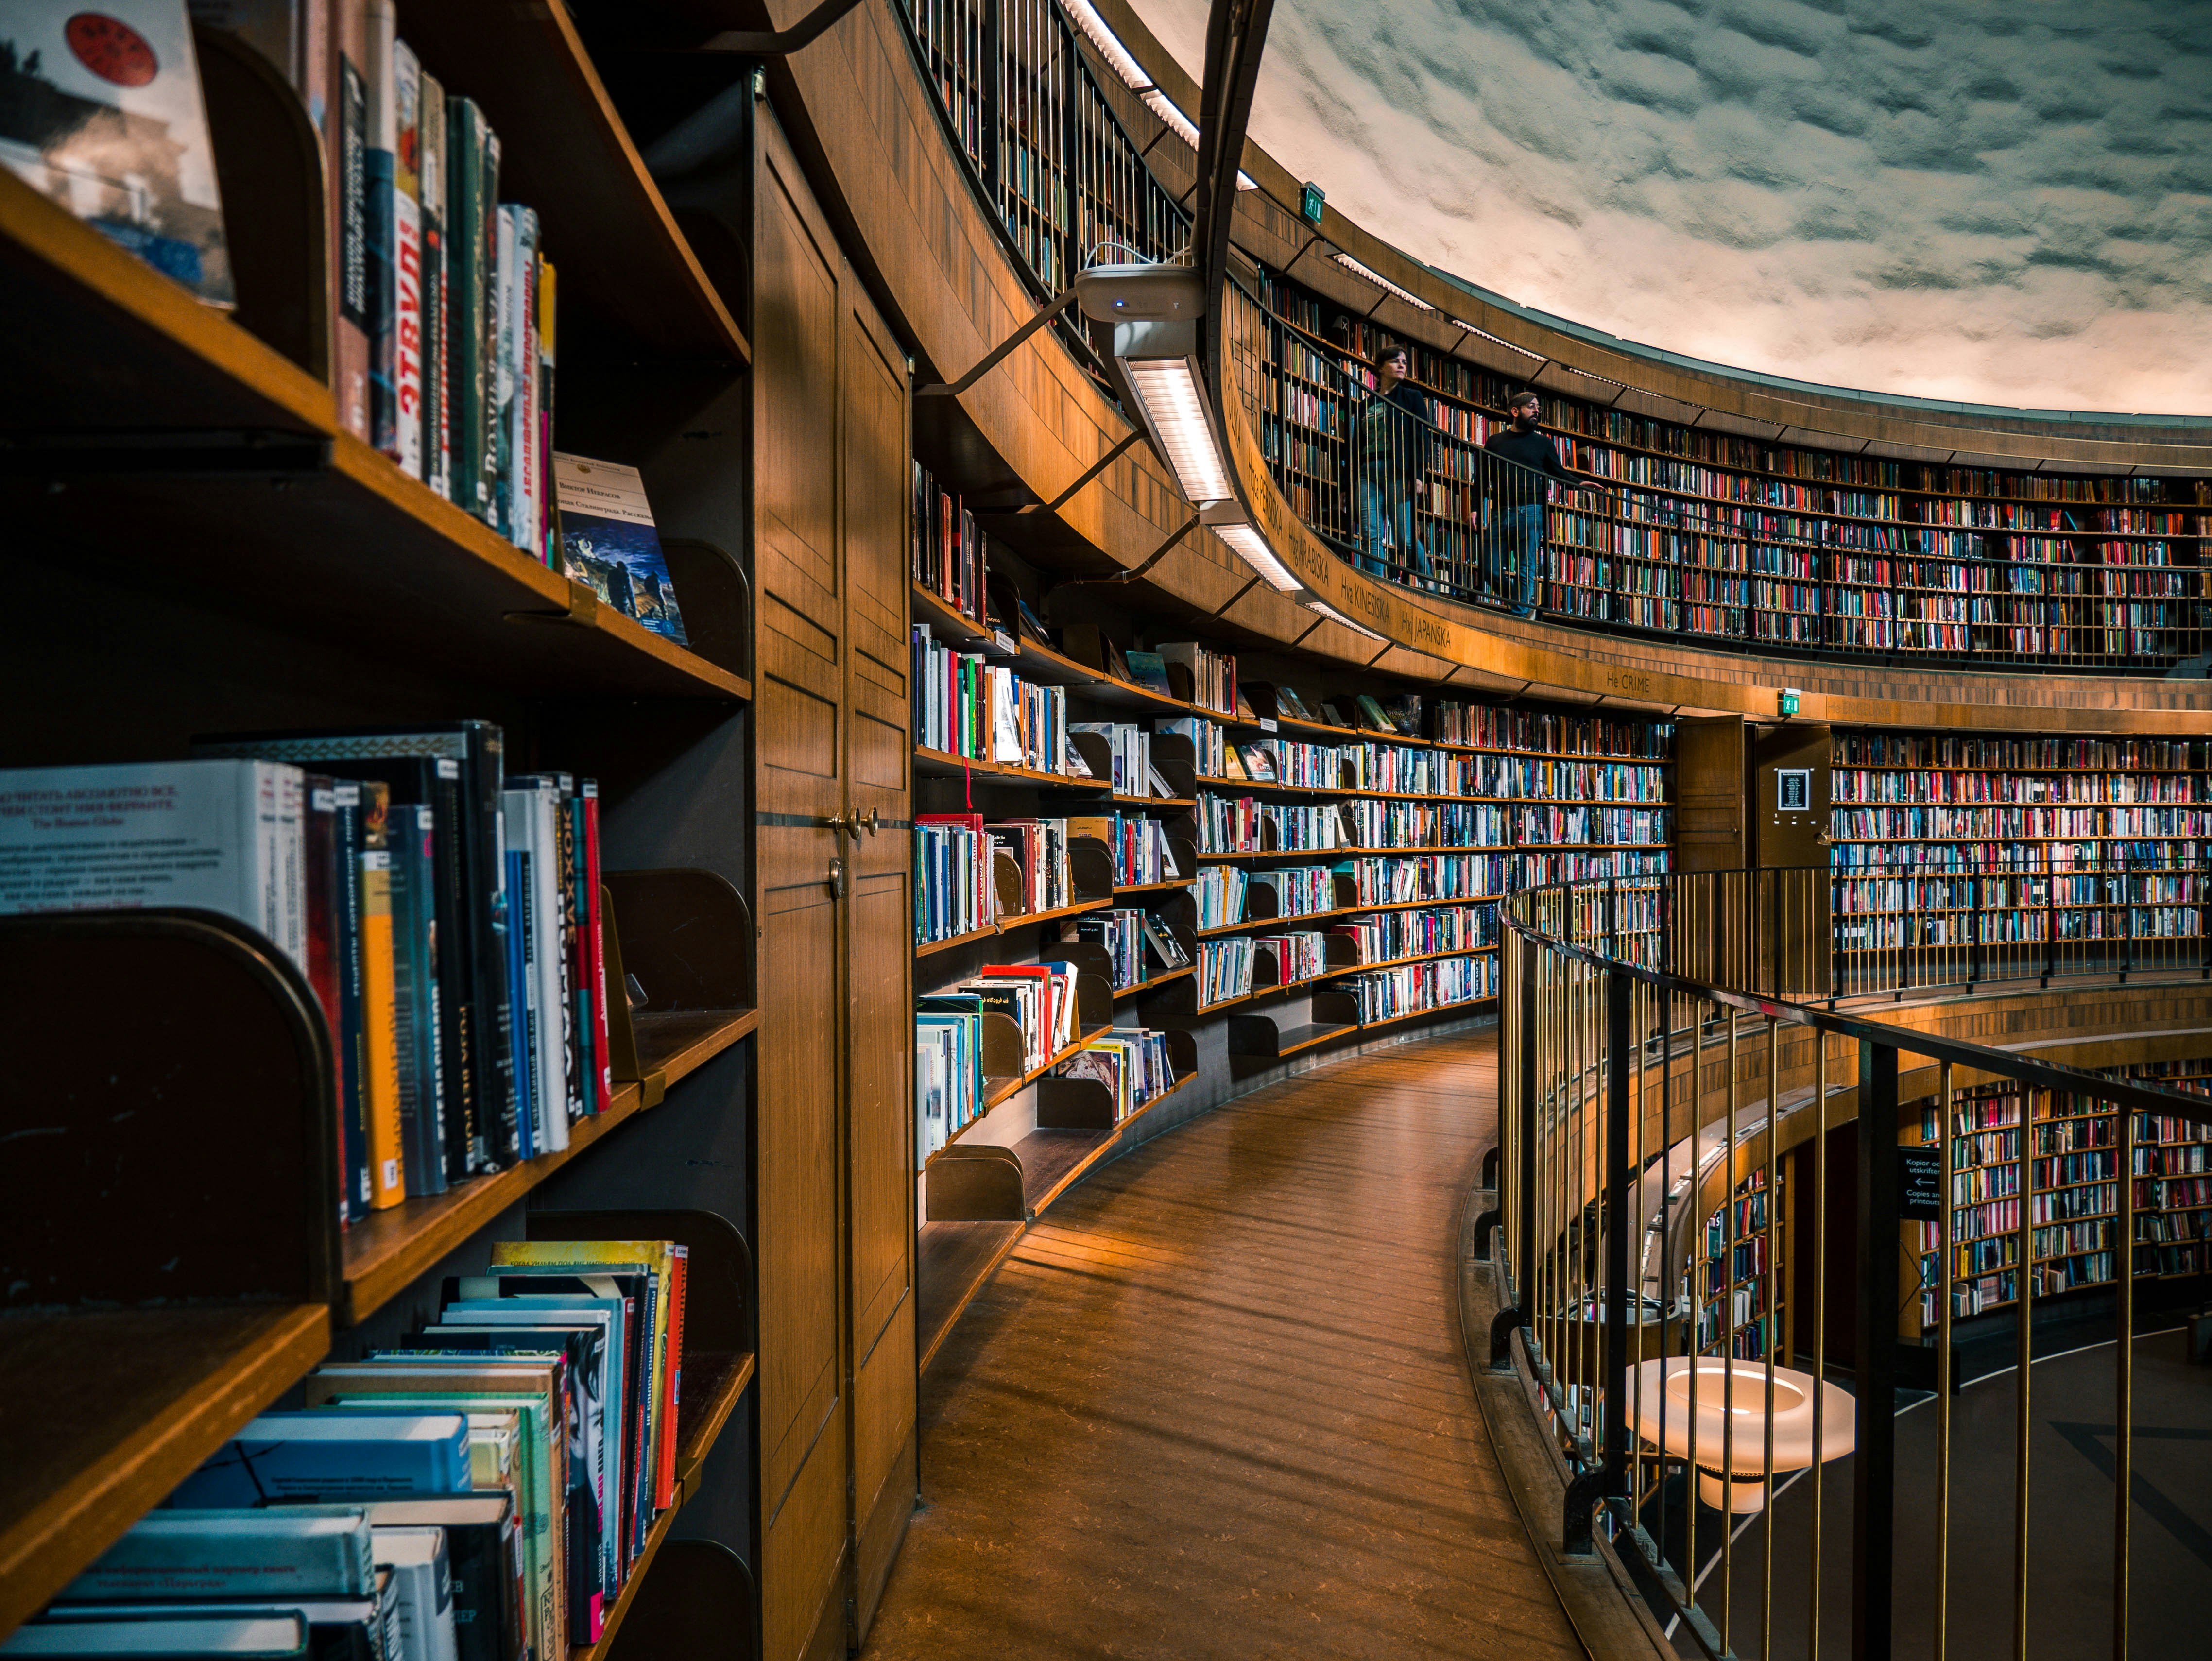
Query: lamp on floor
(1698, 1395)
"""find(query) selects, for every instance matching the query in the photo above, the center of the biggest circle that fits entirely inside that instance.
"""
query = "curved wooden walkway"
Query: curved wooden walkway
(1215, 1404)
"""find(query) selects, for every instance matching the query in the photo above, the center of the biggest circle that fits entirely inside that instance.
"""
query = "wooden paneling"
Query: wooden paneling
(799, 786)
(873, 415)
(1709, 779)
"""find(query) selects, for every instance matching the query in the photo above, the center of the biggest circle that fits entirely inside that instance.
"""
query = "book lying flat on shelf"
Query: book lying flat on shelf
(101, 112)
(1150, 671)
(260, 1636)
(608, 542)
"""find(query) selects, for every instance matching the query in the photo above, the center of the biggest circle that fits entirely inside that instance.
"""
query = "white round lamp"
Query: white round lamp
(1698, 1393)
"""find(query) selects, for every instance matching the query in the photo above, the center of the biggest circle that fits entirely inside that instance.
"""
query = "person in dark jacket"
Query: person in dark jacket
(1394, 427)
(1520, 491)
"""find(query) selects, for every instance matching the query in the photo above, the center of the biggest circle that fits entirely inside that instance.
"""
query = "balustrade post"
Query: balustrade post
(1874, 1467)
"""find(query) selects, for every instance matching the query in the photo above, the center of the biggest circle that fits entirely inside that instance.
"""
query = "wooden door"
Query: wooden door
(835, 1142)
(873, 408)
(800, 754)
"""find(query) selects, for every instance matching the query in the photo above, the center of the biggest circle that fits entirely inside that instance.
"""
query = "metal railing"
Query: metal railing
(1407, 500)
(1065, 177)
(1707, 1335)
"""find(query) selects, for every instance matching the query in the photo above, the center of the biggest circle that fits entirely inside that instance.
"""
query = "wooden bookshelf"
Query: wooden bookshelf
(101, 1414)
(389, 1250)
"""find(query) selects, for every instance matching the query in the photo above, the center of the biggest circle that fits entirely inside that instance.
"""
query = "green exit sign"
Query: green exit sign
(1789, 701)
(1310, 203)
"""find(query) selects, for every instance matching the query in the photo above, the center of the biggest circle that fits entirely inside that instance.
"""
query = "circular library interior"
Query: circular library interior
(1453, 974)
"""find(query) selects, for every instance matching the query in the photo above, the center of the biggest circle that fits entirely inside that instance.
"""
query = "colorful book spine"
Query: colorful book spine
(345, 142)
(407, 287)
(470, 152)
(437, 326)
(387, 1178)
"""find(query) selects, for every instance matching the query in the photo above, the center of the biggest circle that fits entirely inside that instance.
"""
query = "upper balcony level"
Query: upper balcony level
(1764, 519)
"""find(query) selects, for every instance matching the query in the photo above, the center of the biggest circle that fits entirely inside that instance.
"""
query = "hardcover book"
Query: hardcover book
(309, 1550)
(101, 112)
(260, 1637)
(608, 542)
(333, 1457)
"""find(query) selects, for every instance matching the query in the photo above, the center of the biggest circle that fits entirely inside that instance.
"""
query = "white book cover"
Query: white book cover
(423, 1582)
(107, 121)
(521, 348)
(214, 836)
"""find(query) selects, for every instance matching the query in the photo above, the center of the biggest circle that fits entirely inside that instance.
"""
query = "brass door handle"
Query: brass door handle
(837, 822)
(869, 820)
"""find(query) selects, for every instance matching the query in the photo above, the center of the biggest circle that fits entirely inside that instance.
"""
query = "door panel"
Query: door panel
(799, 1175)
(874, 410)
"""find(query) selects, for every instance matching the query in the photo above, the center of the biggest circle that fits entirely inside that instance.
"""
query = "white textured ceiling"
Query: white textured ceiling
(2003, 201)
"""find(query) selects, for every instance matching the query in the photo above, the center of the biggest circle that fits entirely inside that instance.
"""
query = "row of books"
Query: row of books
(1209, 743)
(950, 1085)
(446, 914)
(1038, 998)
(1371, 822)
(1140, 847)
(1538, 732)
(1954, 891)
(1131, 1062)
(965, 705)
(1978, 857)
(482, 1492)
(1570, 826)
(1892, 785)
(1384, 995)
(1934, 822)
(1129, 751)
(1301, 955)
(1382, 881)
(948, 553)
(1245, 825)
(1038, 851)
(1387, 936)
(953, 890)
(1224, 969)
(1138, 946)
(1212, 674)
(1959, 751)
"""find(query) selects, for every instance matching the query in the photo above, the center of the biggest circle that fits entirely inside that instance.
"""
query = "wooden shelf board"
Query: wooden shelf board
(388, 1249)
(1294, 1039)
(1419, 956)
(942, 763)
(638, 1570)
(1023, 919)
(1161, 804)
(1153, 887)
(1121, 1129)
(999, 1091)
(566, 152)
(952, 1262)
(1053, 1161)
(952, 941)
(360, 553)
(1155, 983)
(717, 1385)
(102, 1414)
(1416, 1014)
(951, 627)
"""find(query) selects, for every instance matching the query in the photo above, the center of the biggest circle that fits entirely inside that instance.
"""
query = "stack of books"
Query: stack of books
(1131, 1062)
(966, 706)
(482, 1491)
(953, 892)
(1038, 849)
(447, 916)
(948, 552)
(948, 1082)
(1224, 969)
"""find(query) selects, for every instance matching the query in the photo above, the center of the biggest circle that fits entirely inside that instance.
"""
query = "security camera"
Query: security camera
(1140, 293)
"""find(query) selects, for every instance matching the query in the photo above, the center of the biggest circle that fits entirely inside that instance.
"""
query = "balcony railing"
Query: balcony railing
(1708, 1297)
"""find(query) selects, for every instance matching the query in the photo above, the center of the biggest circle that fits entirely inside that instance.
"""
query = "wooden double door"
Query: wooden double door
(834, 1145)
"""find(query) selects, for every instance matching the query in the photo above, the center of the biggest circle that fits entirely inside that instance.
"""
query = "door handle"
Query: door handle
(869, 820)
(837, 822)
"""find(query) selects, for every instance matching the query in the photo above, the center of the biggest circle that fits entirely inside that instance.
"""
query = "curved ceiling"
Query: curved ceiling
(1981, 200)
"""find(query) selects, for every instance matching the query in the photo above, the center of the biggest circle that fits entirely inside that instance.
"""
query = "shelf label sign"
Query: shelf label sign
(1920, 1184)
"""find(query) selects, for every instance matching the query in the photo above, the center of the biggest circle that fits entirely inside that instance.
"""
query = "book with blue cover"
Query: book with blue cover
(333, 1456)
(265, 1635)
(608, 542)
(309, 1550)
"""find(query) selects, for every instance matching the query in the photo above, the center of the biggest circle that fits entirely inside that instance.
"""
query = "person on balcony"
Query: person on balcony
(1521, 492)
(1393, 438)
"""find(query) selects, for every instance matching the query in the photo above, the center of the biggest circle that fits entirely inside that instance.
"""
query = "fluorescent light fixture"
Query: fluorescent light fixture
(1252, 548)
(1381, 281)
(1461, 323)
(1175, 411)
(1336, 615)
(1123, 63)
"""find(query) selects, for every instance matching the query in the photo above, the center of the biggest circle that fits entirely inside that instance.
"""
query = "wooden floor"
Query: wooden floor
(1214, 1404)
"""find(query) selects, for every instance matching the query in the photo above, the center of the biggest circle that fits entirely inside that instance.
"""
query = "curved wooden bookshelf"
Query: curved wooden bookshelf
(387, 1252)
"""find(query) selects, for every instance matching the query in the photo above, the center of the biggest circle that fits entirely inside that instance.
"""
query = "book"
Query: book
(345, 153)
(337, 1628)
(379, 162)
(100, 113)
(1149, 670)
(522, 1015)
(485, 1565)
(608, 542)
(471, 187)
(422, 1592)
(407, 287)
(349, 1036)
(319, 854)
(532, 807)
(260, 1636)
(601, 1043)
(331, 1456)
(380, 1041)
(306, 1550)
(418, 1021)
(226, 836)
(437, 327)
(520, 369)
(547, 549)
(1164, 944)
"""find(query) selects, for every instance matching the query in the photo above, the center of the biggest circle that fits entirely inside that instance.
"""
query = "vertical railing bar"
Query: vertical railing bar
(2124, 1384)
(2023, 1310)
(1728, 1238)
(1819, 1329)
(1874, 1467)
(1774, 1324)
(1944, 1384)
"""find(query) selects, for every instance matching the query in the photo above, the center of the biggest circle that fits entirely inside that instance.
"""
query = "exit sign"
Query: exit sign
(1310, 202)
